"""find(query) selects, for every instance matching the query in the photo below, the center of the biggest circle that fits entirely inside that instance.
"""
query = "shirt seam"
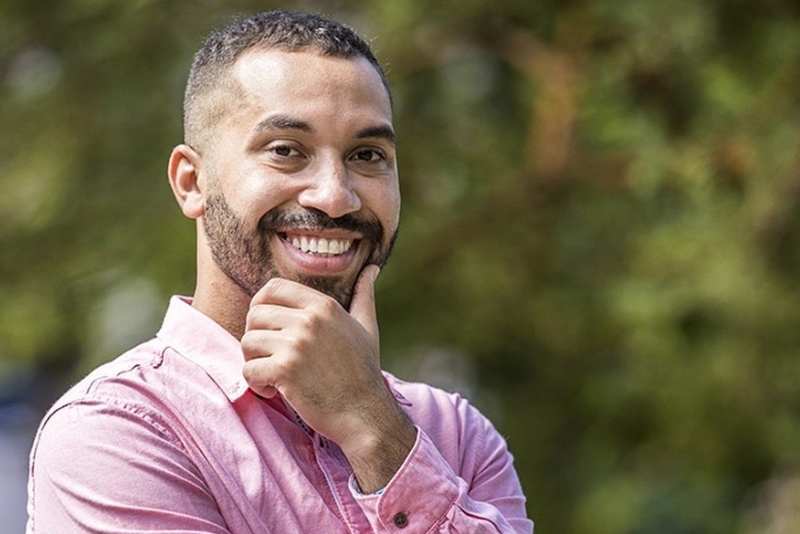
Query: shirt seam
(93, 396)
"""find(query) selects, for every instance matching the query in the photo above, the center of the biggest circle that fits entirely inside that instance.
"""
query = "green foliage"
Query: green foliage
(600, 238)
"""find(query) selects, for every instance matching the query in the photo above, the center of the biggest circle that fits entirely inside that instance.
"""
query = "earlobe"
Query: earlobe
(186, 180)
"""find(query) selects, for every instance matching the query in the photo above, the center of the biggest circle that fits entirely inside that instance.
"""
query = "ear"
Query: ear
(187, 181)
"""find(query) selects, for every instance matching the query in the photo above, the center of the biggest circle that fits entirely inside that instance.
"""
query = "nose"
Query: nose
(330, 190)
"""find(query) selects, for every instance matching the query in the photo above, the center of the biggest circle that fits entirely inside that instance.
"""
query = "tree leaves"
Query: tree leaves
(599, 227)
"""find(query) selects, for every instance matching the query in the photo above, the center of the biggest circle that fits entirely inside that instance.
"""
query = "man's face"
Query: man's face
(301, 174)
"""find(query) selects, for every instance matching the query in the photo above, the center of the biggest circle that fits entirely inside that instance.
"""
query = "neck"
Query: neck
(220, 299)
(227, 306)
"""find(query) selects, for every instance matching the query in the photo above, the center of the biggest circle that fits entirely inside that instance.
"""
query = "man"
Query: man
(260, 406)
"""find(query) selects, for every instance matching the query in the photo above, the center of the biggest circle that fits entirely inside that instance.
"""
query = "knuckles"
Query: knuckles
(301, 342)
(309, 322)
(328, 307)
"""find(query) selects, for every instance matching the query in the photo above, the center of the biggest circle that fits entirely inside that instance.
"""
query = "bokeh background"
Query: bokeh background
(600, 242)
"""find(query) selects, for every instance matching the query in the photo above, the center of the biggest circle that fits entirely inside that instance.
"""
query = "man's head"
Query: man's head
(209, 88)
(290, 166)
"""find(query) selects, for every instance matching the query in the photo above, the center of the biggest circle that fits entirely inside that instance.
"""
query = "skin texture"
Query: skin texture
(307, 147)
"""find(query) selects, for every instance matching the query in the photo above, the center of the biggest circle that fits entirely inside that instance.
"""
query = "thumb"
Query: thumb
(362, 305)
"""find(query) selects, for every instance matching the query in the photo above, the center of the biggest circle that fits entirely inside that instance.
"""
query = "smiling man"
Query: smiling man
(260, 405)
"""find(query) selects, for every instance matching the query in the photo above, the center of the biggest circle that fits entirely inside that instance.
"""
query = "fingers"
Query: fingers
(270, 308)
(283, 292)
(267, 317)
(265, 391)
(289, 325)
(257, 376)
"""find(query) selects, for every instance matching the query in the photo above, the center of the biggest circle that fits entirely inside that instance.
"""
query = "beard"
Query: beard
(244, 255)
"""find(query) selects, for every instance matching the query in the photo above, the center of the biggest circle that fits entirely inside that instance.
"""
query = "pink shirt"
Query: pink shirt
(168, 438)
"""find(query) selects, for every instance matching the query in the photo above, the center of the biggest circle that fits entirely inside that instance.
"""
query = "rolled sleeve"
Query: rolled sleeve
(426, 495)
(418, 496)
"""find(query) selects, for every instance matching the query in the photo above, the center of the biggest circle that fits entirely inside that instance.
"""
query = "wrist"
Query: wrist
(378, 452)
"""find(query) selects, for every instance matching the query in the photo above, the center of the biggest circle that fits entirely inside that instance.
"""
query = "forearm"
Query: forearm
(377, 454)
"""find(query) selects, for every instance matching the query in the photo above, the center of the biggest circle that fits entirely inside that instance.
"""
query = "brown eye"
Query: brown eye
(369, 155)
(284, 151)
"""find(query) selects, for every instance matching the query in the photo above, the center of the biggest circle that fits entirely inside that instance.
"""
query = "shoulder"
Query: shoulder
(147, 385)
(151, 374)
(117, 390)
(118, 411)
(118, 374)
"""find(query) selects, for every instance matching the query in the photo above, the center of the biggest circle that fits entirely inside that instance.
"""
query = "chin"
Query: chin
(336, 288)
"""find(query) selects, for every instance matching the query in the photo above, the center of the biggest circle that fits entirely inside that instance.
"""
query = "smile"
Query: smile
(319, 245)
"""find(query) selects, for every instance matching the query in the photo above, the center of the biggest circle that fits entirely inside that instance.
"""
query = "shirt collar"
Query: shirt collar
(200, 339)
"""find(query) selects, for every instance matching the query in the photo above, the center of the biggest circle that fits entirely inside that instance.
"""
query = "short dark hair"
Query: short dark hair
(283, 30)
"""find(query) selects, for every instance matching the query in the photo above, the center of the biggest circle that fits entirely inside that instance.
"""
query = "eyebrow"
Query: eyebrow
(285, 122)
(382, 132)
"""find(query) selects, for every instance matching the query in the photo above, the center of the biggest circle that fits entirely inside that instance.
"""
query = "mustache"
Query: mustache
(314, 219)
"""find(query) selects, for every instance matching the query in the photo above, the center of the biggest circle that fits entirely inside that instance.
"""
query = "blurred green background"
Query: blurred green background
(600, 242)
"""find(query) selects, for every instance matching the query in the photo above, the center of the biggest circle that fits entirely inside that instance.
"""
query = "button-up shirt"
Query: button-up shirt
(169, 438)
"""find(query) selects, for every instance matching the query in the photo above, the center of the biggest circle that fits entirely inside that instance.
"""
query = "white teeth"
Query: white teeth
(322, 246)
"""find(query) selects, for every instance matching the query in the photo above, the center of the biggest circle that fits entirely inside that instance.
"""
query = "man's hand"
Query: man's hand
(326, 363)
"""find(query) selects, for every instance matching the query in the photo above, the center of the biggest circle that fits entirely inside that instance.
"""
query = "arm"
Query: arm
(101, 467)
(324, 361)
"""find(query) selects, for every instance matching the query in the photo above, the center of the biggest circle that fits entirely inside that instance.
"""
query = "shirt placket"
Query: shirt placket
(336, 469)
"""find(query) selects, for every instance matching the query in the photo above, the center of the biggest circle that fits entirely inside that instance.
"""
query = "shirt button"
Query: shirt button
(401, 520)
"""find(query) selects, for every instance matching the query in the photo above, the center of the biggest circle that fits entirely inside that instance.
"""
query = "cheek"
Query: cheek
(396, 215)
(386, 207)
(255, 193)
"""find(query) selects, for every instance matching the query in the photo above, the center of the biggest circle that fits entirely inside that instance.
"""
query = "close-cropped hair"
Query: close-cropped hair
(290, 31)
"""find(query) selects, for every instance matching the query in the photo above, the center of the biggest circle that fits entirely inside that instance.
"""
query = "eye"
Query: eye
(284, 151)
(369, 155)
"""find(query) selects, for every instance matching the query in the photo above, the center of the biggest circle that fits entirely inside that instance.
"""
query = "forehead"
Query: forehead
(308, 82)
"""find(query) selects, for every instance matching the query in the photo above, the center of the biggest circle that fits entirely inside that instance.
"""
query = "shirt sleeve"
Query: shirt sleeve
(426, 495)
(105, 467)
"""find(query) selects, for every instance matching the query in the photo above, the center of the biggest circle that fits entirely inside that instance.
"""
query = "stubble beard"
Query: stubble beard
(244, 255)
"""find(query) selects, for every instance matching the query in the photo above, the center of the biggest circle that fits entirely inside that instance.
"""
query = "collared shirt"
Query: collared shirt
(169, 438)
